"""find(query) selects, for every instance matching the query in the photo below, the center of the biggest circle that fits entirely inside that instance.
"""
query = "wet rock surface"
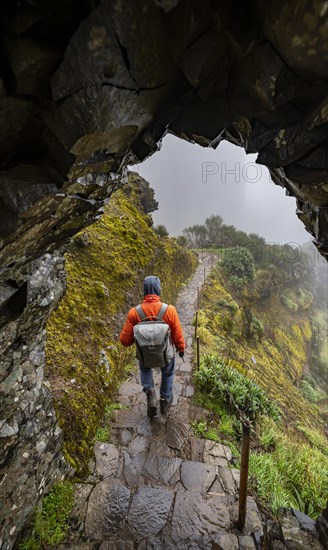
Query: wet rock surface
(149, 510)
(195, 514)
(107, 509)
(293, 530)
(107, 456)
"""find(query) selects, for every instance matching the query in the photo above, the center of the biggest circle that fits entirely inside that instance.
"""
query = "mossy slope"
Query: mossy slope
(275, 355)
(268, 339)
(106, 264)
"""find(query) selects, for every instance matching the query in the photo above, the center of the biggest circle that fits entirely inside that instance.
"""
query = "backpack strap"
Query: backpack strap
(141, 312)
(162, 311)
(159, 316)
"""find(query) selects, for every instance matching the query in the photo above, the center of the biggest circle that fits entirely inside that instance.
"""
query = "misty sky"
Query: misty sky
(192, 182)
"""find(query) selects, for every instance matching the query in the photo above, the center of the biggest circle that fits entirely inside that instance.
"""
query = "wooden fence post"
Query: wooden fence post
(196, 324)
(197, 346)
(243, 476)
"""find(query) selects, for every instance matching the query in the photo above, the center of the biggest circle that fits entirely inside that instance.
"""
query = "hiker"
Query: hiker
(152, 307)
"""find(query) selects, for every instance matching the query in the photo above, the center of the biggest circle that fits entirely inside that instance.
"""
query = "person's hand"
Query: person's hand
(181, 354)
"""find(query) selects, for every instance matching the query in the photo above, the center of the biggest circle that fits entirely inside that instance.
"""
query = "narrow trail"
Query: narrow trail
(155, 486)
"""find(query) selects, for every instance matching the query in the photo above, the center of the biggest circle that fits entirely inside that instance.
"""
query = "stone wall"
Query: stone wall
(31, 443)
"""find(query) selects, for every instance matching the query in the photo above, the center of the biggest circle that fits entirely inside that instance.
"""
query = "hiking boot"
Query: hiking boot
(151, 402)
(165, 403)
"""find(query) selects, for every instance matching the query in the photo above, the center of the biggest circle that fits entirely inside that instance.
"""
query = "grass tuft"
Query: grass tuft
(293, 475)
(51, 520)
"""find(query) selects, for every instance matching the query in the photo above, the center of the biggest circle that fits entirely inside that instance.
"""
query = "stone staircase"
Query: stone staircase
(157, 487)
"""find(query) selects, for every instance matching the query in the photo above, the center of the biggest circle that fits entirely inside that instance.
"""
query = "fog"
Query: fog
(192, 182)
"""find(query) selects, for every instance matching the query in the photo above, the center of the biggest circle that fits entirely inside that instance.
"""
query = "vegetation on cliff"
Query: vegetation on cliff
(257, 321)
(106, 264)
(288, 467)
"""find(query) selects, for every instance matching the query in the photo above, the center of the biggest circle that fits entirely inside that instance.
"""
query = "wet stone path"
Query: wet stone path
(155, 486)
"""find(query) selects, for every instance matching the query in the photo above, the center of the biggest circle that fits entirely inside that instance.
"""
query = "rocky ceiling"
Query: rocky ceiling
(88, 87)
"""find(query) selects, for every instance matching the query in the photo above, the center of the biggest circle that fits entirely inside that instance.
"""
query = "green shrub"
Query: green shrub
(314, 395)
(161, 231)
(315, 437)
(114, 407)
(237, 282)
(202, 429)
(238, 262)
(268, 433)
(257, 328)
(296, 299)
(310, 379)
(230, 305)
(227, 324)
(288, 303)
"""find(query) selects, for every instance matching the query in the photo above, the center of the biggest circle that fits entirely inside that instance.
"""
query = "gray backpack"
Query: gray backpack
(154, 348)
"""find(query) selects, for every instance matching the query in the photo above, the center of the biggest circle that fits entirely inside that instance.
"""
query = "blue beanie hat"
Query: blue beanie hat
(152, 285)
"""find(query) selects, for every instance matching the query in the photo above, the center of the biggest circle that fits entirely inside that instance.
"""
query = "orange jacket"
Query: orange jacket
(151, 306)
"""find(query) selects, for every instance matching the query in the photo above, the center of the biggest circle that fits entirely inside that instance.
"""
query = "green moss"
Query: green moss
(104, 279)
(51, 519)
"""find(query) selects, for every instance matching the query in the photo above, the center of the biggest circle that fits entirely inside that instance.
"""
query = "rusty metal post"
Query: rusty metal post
(196, 324)
(243, 476)
(197, 297)
(197, 346)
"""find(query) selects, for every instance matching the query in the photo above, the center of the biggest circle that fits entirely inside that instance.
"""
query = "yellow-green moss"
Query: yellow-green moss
(105, 266)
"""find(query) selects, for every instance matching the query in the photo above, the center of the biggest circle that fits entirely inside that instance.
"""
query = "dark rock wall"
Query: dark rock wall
(87, 87)
(31, 442)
